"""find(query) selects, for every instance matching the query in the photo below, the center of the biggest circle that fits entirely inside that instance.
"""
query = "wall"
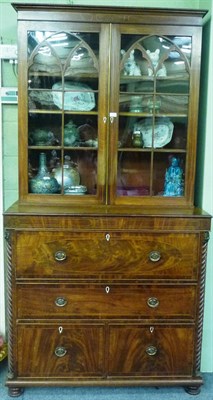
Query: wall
(204, 197)
(205, 176)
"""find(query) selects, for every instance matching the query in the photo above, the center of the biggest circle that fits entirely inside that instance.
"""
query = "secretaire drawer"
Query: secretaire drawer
(107, 255)
(105, 301)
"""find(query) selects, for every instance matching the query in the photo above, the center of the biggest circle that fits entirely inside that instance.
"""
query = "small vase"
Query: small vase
(43, 182)
(137, 140)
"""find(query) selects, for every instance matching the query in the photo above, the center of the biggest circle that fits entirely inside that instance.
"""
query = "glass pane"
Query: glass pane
(133, 173)
(63, 84)
(153, 115)
(75, 174)
(45, 129)
(168, 175)
(80, 131)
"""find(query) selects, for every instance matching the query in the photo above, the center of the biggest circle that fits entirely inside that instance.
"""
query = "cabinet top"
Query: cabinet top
(145, 15)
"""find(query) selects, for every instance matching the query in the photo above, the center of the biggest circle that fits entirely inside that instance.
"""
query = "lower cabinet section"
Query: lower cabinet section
(106, 301)
(104, 350)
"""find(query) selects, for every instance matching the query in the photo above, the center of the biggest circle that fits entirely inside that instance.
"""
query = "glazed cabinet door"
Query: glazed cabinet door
(64, 105)
(153, 127)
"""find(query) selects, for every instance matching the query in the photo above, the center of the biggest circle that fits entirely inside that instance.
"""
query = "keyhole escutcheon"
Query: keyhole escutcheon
(107, 237)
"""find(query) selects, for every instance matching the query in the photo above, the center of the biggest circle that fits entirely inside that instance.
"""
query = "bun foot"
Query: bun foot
(194, 390)
(15, 391)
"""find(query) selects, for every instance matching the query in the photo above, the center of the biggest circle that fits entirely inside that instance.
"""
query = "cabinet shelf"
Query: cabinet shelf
(150, 115)
(48, 111)
(175, 77)
(149, 150)
(77, 74)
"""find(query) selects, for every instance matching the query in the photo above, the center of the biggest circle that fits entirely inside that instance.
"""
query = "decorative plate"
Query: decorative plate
(163, 130)
(79, 189)
(77, 96)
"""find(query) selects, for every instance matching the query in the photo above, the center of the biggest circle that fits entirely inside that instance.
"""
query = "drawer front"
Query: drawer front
(105, 301)
(60, 351)
(151, 351)
(104, 255)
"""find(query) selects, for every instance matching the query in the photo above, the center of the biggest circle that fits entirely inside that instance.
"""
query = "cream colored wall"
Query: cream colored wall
(205, 177)
(206, 201)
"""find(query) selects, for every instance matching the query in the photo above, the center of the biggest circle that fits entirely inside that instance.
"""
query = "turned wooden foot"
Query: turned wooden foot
(194, 390)
(15, 391)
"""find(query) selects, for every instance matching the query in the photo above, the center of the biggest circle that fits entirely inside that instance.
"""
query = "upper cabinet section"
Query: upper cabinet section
(108, 109)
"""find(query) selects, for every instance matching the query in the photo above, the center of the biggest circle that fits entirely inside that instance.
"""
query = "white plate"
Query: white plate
(80, 189)
(163, 130)
(77, 97)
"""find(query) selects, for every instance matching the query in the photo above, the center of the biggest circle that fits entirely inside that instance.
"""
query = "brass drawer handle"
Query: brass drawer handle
(60, 255)
(153, 302)
(154, 256)
(60, 301)
(60, 351)
(151, 350)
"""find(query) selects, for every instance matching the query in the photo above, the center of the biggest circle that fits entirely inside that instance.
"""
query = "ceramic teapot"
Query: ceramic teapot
(41, 137)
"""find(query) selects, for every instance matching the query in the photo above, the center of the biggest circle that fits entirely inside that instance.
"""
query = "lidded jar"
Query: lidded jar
(68, 175)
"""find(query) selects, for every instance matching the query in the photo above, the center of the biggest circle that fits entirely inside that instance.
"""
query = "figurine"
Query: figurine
(130, 66)
(154, 57)
(173, 185)
(137, 140)
(71, 135)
